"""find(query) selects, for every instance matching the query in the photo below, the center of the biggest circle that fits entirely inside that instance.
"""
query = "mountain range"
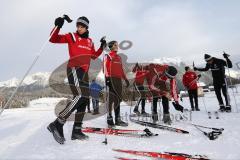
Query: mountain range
(40, 80)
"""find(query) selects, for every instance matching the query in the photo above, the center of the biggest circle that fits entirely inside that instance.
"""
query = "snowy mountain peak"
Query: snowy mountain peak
(10, 83)
(166, 60)
(39, 78)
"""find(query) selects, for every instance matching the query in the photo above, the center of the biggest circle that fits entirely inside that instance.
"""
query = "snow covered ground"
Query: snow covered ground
(23, 135)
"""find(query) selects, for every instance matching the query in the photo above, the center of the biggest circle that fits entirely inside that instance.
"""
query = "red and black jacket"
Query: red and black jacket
(156, 75)
(81, 50)
(140, 75)
(190, 80)
(113, 66)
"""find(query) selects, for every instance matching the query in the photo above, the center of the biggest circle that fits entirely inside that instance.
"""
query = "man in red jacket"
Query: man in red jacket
(140, 76)
(189, 80)
(81, 51)
(158, 80)
(114, 74)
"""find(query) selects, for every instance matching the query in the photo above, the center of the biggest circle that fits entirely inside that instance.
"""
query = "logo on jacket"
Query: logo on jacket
(84, 47)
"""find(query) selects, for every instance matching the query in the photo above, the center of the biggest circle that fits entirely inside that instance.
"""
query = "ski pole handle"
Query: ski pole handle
(66, 17)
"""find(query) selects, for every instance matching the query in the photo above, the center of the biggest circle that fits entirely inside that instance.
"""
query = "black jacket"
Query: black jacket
(218, 69)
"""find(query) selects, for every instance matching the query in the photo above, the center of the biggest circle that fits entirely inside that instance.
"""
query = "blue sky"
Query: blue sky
(157, 28)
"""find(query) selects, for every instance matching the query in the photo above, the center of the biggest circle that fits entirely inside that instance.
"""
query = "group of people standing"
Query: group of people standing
(82, 51)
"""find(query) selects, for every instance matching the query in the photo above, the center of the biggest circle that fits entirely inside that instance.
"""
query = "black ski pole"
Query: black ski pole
(215, 129)
(211, 135)
(203, 99)
(65, 17)
(230, 80)
(106, 98)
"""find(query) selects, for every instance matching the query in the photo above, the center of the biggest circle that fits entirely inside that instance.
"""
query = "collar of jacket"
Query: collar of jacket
(113, 53)
(84, 35)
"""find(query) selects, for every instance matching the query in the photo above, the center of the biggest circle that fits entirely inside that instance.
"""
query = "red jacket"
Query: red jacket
(190, 80)
(81, 50)
(140, 76)
(155, 75)
(113, 66)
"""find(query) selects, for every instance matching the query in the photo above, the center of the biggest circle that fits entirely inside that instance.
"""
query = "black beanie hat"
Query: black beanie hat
(171, 72)
(110, 44)
(207, 57)
(83, 21)
(186, 68)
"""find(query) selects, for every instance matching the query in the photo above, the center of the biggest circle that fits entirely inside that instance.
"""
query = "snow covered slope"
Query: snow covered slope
(23, 135)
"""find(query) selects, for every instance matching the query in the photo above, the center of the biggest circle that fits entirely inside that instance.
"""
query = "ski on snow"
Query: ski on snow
(159, 126)
(120, 132)
(164, 155)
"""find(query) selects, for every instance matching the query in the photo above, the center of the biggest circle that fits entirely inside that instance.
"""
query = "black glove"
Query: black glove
(108, 82)
(225, 55)
(127, 83)
(177, 106)
(199, 75)
(103, 42)
(59, 22)
(195, 68)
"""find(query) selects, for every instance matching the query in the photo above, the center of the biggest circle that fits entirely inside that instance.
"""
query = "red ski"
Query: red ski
(121, 158)
(120, 132)
(166, 155)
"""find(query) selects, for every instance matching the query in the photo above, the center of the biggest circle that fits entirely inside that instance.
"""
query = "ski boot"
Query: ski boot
(77, 132)
(56, 128)
(155, 117)
(119, 122)
(192, 109)
(110, 122)
(136, 111)
(197, 109)
(144, 114)
(95, 112)
(222, 108)
(228, 108)
(166, 119)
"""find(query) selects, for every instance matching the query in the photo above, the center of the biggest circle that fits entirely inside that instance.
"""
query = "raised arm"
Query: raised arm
(58, 38)
(228, 62)
(202, 69)
(100, 50)
(96, 54)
